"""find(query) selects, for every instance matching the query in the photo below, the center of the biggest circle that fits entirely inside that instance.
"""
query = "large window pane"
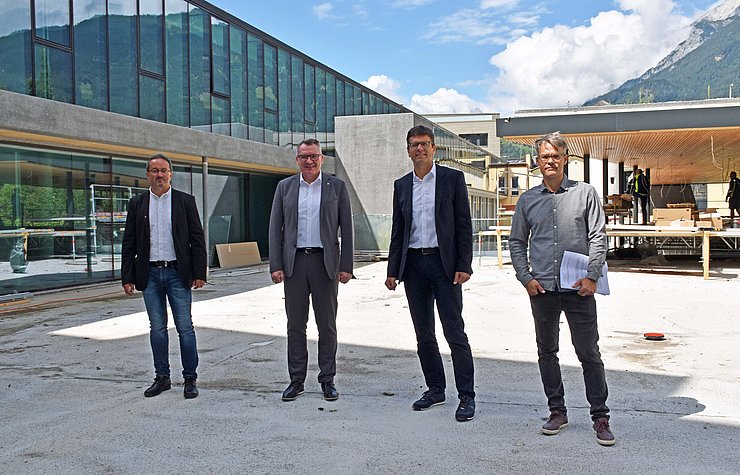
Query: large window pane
(340, 97)
(365, 104)
(220, 48)
(331, 101)
(124, 88)
(152, 98)
(284, 96)
(53, 74)
(349, 99)
(52, 20)
(200, 69)
(150, 35)
(255, 88)
(310, 97)
(176, 42)
(221, 116)
(297, 94)
(91, 56)
(320, 100)
(15, 47)
(271, 88)
(239, 113)
(271, 133)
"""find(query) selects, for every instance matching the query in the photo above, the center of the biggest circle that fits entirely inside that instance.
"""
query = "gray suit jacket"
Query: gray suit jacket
(336, 220)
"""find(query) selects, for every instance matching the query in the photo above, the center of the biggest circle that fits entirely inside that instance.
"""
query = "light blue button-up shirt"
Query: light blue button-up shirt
(309, 206)
(423, 228)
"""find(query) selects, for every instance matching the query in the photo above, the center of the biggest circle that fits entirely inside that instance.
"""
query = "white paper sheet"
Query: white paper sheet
(575, 266)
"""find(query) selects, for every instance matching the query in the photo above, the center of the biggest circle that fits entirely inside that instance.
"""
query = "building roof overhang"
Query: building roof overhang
(680, 142)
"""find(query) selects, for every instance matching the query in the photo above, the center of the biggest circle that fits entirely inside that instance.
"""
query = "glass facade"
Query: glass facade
(176, 62)
(62, 215)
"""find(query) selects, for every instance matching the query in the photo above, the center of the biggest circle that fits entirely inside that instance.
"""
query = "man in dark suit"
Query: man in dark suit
(309, 213)
(164, 256)
(431, 250)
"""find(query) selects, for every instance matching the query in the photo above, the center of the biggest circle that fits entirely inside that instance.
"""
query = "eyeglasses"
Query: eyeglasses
(425, 144)
(312, 156)
(157, 171)
(547, 158)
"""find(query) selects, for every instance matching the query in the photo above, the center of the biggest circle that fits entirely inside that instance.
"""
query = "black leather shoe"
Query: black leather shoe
(433, 397)
(330, 392)
(161, 383)
(466, 409)
(292, 392)
(191, 390)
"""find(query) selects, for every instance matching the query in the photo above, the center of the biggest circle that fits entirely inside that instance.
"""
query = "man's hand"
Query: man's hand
(198, 283)
(461, 278)
(344, 277)
(587, 286)
(533, 288)
(277, 276)
(391, 283)
(129, 289)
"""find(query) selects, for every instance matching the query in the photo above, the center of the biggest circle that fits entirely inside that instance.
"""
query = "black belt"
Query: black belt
(424, 251)
(163, 264)
(309, 250)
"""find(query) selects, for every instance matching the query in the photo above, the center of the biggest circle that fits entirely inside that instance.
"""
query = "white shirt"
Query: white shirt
(423, 229)
(161, 244)
(309, 206)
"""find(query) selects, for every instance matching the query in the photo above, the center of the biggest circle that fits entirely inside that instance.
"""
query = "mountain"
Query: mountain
(701, 67)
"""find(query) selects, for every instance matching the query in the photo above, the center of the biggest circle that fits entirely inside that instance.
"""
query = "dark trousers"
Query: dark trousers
(643, 202)
(310, 280)
(425, 281)
(581, 315)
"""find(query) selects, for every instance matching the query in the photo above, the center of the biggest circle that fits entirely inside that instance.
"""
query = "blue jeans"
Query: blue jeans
(581, 315)
(165, 284)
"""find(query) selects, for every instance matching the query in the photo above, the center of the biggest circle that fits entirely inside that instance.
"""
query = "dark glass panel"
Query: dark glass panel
(53, 74)
(365, 104)
(297, 94)
(357, 92)
(320, 100)
(310, 97)
(220, 48)
(373, 106)
(271, 88)
(221, 116)
(152, 98)
(331, 101)
(349, 99)
(123, 69)
(255, 88)
(151, 21)
(340, 97)
(16, 73)
(91, 56)
(176, 47)
(52, 20)
(200, 69)
(239, 113)
(271, 133)
(284, 96)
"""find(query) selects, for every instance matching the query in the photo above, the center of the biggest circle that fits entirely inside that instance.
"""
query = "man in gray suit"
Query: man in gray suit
(309, 213)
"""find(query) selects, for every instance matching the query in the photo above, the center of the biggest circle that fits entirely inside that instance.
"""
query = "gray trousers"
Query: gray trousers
(309, 279)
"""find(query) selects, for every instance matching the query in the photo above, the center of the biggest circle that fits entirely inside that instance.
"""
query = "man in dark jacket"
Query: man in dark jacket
(164, 256)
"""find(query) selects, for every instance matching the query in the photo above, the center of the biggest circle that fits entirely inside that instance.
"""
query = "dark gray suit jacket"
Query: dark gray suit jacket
(336, 219)
(452, 223)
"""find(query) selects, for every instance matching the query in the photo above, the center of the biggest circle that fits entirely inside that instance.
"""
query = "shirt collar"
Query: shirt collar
(317, 180)
(166, 194)
(564, 185)
(432, 174)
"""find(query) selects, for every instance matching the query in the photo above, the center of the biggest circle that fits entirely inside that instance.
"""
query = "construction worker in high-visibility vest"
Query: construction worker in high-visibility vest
(639, 186)
(733, 197)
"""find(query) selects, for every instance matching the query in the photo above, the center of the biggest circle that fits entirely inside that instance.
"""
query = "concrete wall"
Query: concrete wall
(371, 154)
(29, 119)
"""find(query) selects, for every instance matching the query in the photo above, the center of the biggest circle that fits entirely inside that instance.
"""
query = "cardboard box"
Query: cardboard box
(714, 218)
(238, 254)
(672, 214)
(623, 201)
(681, 205)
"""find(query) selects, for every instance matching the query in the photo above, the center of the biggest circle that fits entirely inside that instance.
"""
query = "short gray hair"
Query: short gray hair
(553, 138)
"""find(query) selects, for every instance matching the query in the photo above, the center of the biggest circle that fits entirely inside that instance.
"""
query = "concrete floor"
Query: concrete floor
(75, 364)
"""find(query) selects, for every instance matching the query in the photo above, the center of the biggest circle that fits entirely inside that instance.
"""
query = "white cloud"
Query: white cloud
(323, 10)
(386, 86)
(562, 64)
(499, 3)
(468, 26)
(446, 101)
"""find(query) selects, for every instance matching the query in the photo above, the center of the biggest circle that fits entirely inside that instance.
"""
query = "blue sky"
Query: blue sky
(480, 55)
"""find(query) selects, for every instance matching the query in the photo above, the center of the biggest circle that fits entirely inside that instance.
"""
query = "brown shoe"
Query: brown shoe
(557, 421)
(604, 434)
